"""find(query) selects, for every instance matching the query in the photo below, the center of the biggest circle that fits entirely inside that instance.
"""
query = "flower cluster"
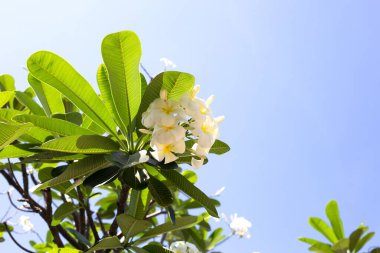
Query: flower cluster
(183, 247)
(173, 122)
(240, 226)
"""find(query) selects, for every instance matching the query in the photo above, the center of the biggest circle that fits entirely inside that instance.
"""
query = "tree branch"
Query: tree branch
(14, 240)
(124, 192)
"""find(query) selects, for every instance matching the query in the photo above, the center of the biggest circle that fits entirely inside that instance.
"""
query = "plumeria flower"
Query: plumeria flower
(24, 221)
(164, 151)
(183, 247)
(240, 226)
(168, 63)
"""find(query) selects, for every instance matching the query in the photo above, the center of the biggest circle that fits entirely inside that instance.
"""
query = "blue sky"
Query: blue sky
(298, 82)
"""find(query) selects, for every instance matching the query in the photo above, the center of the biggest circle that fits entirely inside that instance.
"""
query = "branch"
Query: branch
(70, 239)
(49, 217)
(14, 240)
(146, 71)
(105, 234)
(91, 222)
(124, 192)
(82, 214)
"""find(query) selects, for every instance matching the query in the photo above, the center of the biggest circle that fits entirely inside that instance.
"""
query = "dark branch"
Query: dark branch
(14, 240)
(121, 203)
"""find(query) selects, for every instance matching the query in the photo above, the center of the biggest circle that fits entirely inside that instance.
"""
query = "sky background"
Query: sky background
(298, 83)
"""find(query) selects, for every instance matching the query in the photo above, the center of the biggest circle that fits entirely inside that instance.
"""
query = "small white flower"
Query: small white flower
(165, 151)
(183, 247)
(168, 63)
(30, 170)
(24, 221)
(240, 226)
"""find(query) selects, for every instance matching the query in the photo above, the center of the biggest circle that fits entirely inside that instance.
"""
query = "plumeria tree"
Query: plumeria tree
(110, 172)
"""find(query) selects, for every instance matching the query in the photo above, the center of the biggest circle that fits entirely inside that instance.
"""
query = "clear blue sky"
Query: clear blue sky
(298, 82)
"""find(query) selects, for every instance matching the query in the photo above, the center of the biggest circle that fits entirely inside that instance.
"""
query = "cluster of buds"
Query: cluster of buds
(173, 122)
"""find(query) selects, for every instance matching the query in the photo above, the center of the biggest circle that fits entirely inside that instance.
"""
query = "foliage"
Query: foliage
(89, 157)
(334, 233)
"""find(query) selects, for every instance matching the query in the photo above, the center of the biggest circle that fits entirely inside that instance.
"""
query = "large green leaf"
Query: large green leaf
(9, 133)
(58, 73)
(154, 248)
(190, 189)
(121, 53)
(131, 226)
(321, 248)
(36, 135)
(332, 212)
(363, 241)
(79, 169)
(7, 83)
(355, 237)
(160, 192)
(5, 96)
(27, 101)
(61, 127)
(83, 144)
(309, 240)
(181, 223)
(106, 243)
(322, 227)
(50, 98)
(62, 212)
(175, 83)
(139, 203)
(341, 246)
(105, 90)
(8, 114)
(16, 151)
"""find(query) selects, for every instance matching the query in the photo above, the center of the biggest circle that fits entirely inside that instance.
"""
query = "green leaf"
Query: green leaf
(354, 238)
(175, 83)
(58, 73)
(50, 98)
(101, 177)
(73, 117)
(62, 212)
(8, 114)
(81, 238)
(106, 243)
(341, 246)
(215, 238)
(7, 83)
(16, 151)
(309, 240)
(219, 147)
(105, 90)
(121, 53)
(9, 133)
(79, 169)
(139, 203)
(124, 160)
(61, 127)
(161, 194)
(322, 227)
(29, 103)
(5, 96)
(154, 248)
(321, 248)
(131, 226)
(82, 144)
(181, 223)
(364, 241)
(332, 212)
(191, 190)
(375, 250)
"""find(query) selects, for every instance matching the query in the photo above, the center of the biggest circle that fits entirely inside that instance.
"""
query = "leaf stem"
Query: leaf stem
(14, 239)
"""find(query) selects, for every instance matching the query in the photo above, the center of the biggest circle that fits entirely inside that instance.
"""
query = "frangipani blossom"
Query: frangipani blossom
(165, 151)
(183, 247)
(240, 226)
(168, 63)
(24, 221)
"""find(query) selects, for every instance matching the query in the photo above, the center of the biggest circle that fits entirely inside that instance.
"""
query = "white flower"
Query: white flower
(24, 221)
(240, 225)
(30, 170)
(165, 151)
(183, 247)
(162, 112)
(207, 131)
(168, 63)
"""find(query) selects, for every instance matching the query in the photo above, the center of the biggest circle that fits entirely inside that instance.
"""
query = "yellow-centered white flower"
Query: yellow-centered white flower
(165, 151)
(240, 226)
(24, 221)
(183, 247)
